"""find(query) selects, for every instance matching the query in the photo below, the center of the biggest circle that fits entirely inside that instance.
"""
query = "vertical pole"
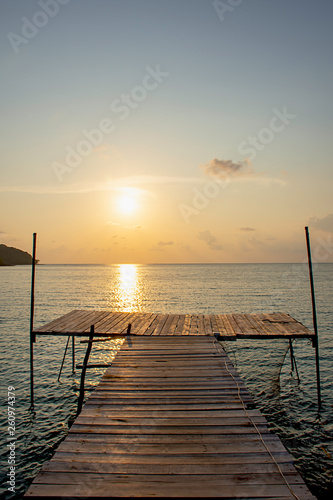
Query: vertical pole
(32, 308)
(63, 359)
(291, 355)
(84, 369)
(73, 354)
(314, 315)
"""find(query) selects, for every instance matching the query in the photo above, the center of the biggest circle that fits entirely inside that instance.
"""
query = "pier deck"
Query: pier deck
(225, 326)
(170, 418)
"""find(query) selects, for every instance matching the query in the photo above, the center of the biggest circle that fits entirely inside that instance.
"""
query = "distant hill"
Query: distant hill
(10, 256)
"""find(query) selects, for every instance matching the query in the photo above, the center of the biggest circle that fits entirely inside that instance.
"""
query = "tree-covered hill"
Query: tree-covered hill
(10, 256)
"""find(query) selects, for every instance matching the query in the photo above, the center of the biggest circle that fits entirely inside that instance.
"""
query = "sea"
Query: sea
(289, 405)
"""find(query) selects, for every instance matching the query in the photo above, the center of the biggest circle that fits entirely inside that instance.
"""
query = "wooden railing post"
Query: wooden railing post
(84, 369)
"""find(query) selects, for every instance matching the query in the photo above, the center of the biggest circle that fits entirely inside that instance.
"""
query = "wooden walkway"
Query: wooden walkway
(170, 418)
(225, 326)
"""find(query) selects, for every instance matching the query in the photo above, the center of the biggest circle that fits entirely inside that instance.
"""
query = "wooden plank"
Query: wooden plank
(95, 410)
(149, 319)
(176, 489)
(110, 322)
(170, 448)
(113, 467)
(171, 320)
(257, 327)
(208, 325)
(217, 479)
(187, 324)
(246, 327)
(162, 318)
(171, 438)
(59, 321)
(180, 325)
(224, 328)
(194, 325)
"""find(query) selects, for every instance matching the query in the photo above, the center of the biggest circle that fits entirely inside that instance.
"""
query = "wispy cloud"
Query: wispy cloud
(165, 243)
(143, 184)
(109, 223)
(324, 224)
(117, 184)
(210, 239)
(247, 229)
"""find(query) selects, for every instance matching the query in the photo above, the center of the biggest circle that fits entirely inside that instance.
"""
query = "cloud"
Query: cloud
(247, 229)
(210, 239)
(165, 243)
(227, 168)
(324, 224)
(109, 223)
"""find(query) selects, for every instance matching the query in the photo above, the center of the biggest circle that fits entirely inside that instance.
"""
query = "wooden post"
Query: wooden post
(63, 359)
(314, 315)
(84, 369)
(32, 309)
(291, 355)
(73, 354)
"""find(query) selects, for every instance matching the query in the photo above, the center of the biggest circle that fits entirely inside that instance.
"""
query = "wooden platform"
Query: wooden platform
(225, 326)
(170, 418)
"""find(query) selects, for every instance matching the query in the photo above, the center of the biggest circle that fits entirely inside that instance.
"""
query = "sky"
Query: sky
(157, 131)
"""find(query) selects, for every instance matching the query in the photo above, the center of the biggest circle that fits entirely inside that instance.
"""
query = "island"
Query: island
(10, 256)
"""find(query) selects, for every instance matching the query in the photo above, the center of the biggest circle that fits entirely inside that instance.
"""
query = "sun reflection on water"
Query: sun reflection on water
(128, 292)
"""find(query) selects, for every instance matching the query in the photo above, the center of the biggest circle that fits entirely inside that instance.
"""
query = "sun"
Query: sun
(127, 204)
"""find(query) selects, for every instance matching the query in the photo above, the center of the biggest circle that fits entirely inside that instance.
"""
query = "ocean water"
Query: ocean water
(290, 407)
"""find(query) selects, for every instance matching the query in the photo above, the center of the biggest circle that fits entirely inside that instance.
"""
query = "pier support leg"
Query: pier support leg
(32, 309)
(84, 369)
(73, 354)
(315, 341)
(31, 373)
(63, 359)
(291, 355)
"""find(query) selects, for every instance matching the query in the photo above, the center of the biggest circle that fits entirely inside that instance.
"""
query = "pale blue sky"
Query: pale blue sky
(225, 79)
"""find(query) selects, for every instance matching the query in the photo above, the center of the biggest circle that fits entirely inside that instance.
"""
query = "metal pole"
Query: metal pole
(314, 315)
(32, 308)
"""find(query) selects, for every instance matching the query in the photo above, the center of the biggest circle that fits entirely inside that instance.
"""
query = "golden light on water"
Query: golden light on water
(128, 291)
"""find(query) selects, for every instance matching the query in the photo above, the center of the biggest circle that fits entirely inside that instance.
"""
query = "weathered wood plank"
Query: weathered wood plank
(217, 479)
(176, 489)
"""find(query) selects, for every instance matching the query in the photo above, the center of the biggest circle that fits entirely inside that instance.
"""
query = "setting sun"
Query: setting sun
(126, 204)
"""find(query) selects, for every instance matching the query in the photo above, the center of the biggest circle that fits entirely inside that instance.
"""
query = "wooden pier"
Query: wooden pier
(223, 326)
(171, 418)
